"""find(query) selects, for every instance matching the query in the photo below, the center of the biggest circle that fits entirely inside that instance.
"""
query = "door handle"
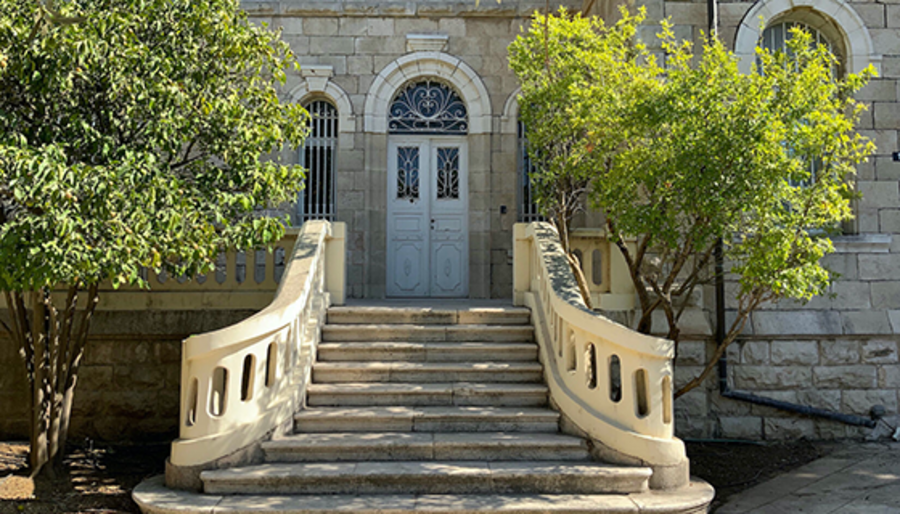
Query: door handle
(432, 224)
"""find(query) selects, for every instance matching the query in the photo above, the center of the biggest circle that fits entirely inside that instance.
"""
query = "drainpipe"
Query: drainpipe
(727, 392)
(712, 12)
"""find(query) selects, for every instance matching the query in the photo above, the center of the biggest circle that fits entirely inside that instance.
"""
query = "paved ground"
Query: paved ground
(856, 479)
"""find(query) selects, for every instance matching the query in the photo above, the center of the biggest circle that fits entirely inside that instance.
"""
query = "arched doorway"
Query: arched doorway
(427, 193)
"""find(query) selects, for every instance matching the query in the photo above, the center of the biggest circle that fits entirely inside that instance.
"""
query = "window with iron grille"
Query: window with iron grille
(528, 209)
(316, 200)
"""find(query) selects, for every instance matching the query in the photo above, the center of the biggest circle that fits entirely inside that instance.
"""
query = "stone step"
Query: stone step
(153, 497)
(428, 333)
(501, 315)
(390, 446)
(424, 394)
(426, 419)
(428, 477)
(332, 372)
(427, 352)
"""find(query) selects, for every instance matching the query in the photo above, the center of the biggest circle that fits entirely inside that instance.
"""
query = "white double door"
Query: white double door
(427, 211)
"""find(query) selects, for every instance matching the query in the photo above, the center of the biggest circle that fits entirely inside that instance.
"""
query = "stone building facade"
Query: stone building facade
(359, 58)
(838, 353)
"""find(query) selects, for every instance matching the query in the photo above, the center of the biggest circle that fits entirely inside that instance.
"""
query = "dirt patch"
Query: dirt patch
(734, 467)
(97, 480)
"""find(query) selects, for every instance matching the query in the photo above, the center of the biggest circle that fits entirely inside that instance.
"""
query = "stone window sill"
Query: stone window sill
(862, 243)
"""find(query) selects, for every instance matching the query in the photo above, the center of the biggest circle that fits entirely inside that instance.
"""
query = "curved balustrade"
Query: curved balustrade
(613, 383)
(241, 383)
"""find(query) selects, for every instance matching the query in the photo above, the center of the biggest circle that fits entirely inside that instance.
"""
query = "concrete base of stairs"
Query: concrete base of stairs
(153, 497)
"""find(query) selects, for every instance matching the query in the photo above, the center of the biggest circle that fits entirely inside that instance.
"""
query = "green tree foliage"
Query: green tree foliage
(130, 136)
(683, 154)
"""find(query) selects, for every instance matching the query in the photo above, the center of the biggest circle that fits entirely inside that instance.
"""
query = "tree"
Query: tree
(684, 155)
(130, 136)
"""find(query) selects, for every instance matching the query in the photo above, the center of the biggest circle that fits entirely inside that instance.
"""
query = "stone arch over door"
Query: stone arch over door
(856, 37)
(439, 65)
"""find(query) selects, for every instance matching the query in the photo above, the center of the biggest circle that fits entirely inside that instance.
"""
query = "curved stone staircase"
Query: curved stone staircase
(427, 410)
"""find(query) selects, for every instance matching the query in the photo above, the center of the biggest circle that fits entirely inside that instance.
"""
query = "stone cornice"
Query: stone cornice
(420, 8)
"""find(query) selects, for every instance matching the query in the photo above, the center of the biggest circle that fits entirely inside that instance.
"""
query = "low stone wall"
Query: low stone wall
(847, 374)
(128, 386)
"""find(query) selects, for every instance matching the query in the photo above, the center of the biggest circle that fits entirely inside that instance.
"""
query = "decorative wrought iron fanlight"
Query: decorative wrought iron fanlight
(428, 107)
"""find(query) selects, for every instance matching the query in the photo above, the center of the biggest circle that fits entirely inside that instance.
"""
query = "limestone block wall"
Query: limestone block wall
(837, 352)
(841, 374)
(355, 42)
(128, 386)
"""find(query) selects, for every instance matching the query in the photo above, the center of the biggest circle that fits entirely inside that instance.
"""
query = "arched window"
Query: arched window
(428, 107)
(776, 34)
(528, 209)
(316, 201)
(824, 32)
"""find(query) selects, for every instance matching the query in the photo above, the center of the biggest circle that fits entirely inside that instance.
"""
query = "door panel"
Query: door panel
(449, 219)
(407, 252)
(427, 218)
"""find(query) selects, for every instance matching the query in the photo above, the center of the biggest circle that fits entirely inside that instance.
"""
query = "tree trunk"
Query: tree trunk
(51, 342)
(563, 229)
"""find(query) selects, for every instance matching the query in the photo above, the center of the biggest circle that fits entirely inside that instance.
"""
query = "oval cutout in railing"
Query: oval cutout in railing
(271, 363)
(642, 393)
(667, 399)
(597, 267)
(248, 373)
(259, 266)
(580, 258)
(218, 391)
(571, 353)
(191, 417)
(615, 379)
(590, 366)
(279, 264)
(240, 267)
(221, 268)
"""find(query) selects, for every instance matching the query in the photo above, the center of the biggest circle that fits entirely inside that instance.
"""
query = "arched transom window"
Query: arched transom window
(428, 107)
(824, 32)
(318, 154)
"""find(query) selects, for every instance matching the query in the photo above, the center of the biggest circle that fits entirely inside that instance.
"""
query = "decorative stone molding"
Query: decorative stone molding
(426, 42)
(428, 8)
(863, 243)
(439, 65)
(510, 118)
(317, 82)
(860, 48)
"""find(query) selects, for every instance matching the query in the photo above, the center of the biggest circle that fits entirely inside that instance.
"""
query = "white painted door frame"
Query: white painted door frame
(427, 236)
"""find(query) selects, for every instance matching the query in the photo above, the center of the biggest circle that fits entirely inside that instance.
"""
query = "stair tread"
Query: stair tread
(153, 494)
(444, 345)
(437, 504)
(355, 439)
(401, 365)
(435, 468)
(391, 308)
(402, 411)
(430, 326)
(425, 388)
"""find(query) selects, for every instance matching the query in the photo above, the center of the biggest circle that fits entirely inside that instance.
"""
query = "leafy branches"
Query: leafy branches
(683, 155)
(131, 136)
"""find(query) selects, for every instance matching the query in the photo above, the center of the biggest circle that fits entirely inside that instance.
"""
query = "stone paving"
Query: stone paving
(859, 478)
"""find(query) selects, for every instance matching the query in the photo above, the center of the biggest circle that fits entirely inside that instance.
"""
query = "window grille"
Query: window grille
(528, 209)
(316, 200)
(776, 36)
(428, 107)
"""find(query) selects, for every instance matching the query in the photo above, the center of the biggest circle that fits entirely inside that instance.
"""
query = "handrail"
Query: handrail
(613, 383)
(242, 382)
